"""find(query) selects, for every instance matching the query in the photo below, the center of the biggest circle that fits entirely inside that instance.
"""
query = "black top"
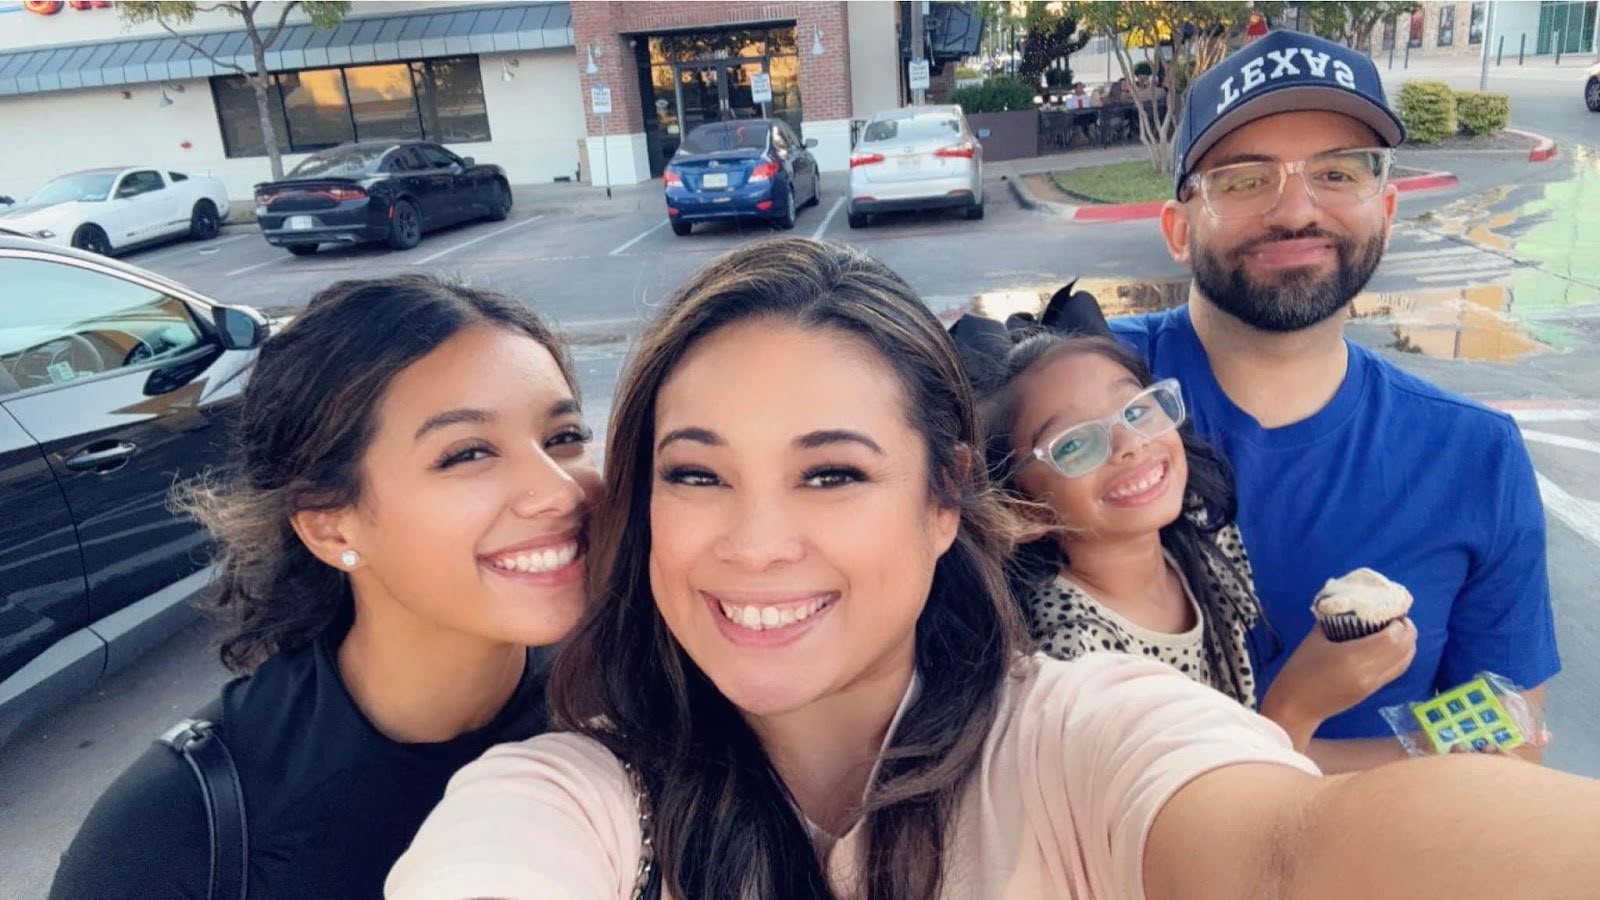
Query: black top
(331, 802)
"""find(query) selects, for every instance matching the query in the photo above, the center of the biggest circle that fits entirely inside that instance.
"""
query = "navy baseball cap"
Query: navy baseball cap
(1281, 71)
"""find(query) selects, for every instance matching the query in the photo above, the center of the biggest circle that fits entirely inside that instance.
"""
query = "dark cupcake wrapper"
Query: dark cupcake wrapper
(1348, 626)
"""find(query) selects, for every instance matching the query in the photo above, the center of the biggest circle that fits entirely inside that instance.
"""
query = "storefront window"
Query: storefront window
(1415, 38)
(317, 107)
(689, 79)
(1447, 26)
(240, 119)
(453, 110)
(437, 100)
(383, 103)
(1475, 24)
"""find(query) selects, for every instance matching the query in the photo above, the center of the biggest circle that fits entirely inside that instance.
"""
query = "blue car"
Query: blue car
(740, 169)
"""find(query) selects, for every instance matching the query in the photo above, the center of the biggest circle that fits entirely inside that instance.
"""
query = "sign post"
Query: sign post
(600, 102)
(918, 78)
(761, 91)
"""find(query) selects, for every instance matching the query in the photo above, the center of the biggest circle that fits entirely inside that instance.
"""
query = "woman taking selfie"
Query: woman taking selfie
(1134, 547)
(404, 519)
(802, 676)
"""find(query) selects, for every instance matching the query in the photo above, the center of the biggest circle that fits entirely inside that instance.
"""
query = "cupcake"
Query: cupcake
(1359, 604)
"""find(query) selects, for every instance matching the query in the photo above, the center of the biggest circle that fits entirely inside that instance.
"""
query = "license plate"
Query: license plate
(910, 162)
(261, 210)
(714, 180)
(299, 223)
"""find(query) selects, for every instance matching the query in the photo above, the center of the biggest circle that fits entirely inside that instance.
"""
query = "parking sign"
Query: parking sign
(761, 87)
(600, 100)
(919, 74)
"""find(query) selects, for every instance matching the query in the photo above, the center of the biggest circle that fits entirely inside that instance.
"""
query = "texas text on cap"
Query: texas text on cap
(1283, 71)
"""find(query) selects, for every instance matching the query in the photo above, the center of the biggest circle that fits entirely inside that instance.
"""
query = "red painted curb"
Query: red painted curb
(1428, 182)
(1544, 151)
(1117, 212)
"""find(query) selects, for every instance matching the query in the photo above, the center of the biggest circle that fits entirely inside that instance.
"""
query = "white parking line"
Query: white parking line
(649, 231)
(1561, 440)
(254, 267)
(179, 251)
(1582, 516)
(828, 218)
(482, 237)
(1553, 415)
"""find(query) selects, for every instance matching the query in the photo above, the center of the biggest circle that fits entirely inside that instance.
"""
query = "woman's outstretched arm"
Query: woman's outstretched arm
(1446, 827)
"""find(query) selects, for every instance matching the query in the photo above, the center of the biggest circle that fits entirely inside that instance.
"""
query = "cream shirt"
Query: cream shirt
(1081, 758)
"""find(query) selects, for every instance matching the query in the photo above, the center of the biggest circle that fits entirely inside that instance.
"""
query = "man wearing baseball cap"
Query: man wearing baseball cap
(1282, 211)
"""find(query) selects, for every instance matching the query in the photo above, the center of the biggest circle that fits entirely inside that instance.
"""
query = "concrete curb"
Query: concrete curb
(1028, 201)
(1544, 151)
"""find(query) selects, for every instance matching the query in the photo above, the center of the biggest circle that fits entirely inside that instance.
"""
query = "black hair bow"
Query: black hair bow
(983, 343)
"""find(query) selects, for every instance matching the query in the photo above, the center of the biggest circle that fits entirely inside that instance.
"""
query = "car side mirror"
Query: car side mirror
(811, 143)
(240, 328)
(983, 133)
(468, 162)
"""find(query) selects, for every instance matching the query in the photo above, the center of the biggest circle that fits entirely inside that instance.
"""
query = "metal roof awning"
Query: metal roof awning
(433, 32)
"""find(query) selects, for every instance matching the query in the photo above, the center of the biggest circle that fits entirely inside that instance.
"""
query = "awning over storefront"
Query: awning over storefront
(372, 39)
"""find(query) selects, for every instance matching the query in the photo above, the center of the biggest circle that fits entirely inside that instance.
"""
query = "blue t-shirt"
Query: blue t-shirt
(1433, 490)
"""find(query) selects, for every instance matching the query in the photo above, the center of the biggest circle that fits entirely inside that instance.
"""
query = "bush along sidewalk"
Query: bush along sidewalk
(1481, 114)
(1428, 109)
(1433, 112)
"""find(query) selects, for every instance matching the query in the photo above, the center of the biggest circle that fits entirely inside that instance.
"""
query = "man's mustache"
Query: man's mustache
(1274, 235)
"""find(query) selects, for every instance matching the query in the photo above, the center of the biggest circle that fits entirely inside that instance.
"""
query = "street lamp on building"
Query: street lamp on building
(816, 41)
(592, 68)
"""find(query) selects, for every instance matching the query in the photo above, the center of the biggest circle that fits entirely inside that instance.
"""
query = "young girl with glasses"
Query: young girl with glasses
(1133, 546)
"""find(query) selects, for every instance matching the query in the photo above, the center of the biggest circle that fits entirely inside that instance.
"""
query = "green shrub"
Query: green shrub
(1428, 110)
(1482, 113)
(968, 72)
(994, 95)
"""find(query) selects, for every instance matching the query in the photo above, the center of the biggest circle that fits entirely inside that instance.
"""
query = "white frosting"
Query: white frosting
(1364, 592)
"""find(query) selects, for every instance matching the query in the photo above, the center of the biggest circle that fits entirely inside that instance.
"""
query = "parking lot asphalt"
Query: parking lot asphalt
(598, 268)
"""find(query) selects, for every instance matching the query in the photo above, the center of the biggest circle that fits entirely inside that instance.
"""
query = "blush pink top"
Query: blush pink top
(1081, 758)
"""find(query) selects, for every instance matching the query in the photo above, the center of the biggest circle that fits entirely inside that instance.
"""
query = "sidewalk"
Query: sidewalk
(1462, 72)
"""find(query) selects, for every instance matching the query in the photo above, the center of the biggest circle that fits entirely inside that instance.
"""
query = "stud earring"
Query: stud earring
(350, 559)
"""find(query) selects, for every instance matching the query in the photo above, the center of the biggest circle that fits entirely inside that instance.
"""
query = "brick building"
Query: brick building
(507, 82)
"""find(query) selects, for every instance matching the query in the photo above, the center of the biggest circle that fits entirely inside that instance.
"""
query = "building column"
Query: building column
(620, 144)
(825, 80)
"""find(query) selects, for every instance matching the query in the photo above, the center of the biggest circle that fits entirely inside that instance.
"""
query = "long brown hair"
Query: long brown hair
(304, 427)
(724, 825)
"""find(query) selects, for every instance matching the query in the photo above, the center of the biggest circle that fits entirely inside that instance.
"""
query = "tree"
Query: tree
(1052, 34)
(168, 13)
(1183, 39)
(1351, 23)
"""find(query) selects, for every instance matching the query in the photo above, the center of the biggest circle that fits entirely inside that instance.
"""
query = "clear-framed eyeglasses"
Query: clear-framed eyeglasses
(1086, 446)
(1332, 180)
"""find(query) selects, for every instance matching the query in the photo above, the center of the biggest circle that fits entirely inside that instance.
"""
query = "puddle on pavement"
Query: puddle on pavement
(1474, 322)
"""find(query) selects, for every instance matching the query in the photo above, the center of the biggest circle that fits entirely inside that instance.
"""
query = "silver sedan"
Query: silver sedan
(921, 157)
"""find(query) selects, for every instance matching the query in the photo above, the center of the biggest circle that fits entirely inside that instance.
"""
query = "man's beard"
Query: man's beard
(1301, 298)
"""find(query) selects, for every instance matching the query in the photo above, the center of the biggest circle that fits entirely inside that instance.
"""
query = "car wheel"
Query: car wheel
(500, 206)
(975, 212)
(786, 222)
(405, 226)
(93, 239)
(682, 229)
(204, 223)
(301, 249)
(856, 220)
(1591, 94)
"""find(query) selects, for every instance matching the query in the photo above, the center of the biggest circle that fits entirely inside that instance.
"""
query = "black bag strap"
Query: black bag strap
(198, 742)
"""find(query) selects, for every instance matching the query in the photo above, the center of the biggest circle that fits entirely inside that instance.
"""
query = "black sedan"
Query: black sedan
(391, 191)
(114, 383)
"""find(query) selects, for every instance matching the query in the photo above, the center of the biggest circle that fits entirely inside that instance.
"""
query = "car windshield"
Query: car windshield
(726, 136)
(920, 128)
(89, 186)
(340, 162)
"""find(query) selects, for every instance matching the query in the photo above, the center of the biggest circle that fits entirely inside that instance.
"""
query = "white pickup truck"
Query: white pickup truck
(109, 210)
